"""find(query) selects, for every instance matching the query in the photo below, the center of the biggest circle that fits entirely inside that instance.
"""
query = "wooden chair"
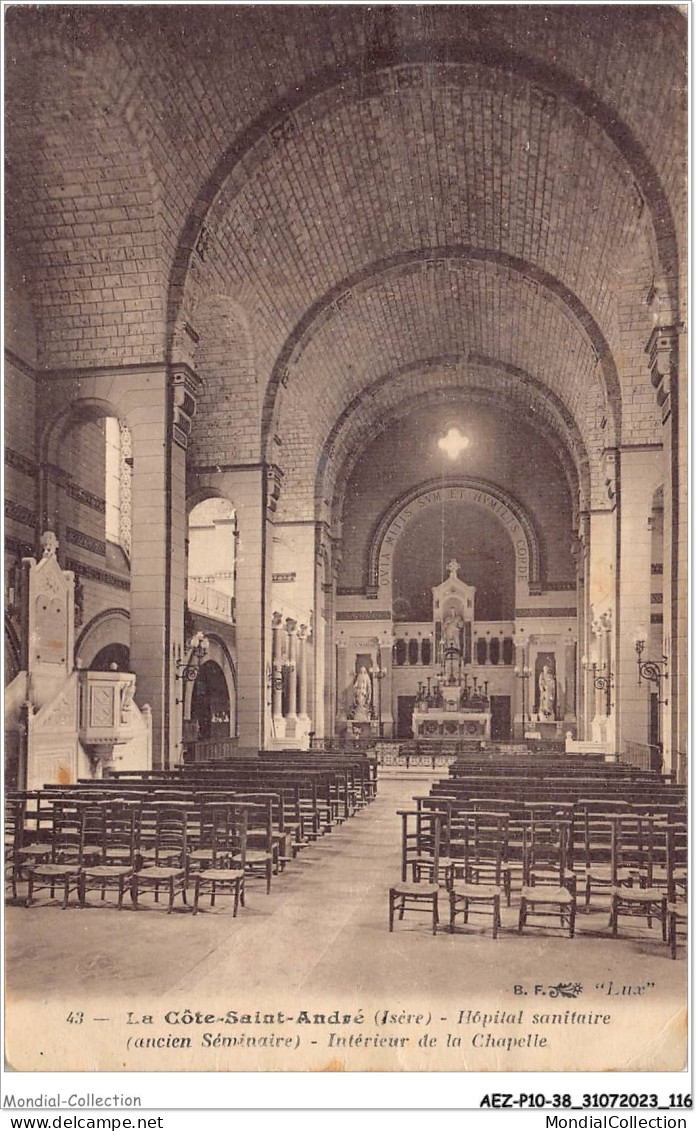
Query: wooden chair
(73, 825)
(595, 816)
(420, 842)
(39, 838)
(116, 865)
(260, 854)
(169, 855)
(676, 907)
(546, 882)
(486, 875)
(224, 868)
(13, 831)
(632, 851)
(418, 895)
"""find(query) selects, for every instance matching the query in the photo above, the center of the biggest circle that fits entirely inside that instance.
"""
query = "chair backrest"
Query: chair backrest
(121, 830)
(72, 821)
(170, 834)
(259, 810)
(484, 836)
(546, 842)
(632, 844)
(677, 859)
(421, 833)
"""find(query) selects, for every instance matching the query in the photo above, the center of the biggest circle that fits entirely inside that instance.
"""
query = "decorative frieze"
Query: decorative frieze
(283, 577)
(101, 575)
(82, 495)
(85, 542)
(369, 614)
(562, 614)
(20, 463)
(19, 513)
(18, 548)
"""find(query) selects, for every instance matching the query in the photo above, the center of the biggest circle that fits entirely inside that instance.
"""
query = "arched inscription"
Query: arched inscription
(485, 495)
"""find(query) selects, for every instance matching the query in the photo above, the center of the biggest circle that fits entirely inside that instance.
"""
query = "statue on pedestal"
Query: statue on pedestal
(362, 696)
(451, 631)
(547, 694)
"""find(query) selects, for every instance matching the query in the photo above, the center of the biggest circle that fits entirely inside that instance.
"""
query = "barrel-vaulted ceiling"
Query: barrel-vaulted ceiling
(305, 202)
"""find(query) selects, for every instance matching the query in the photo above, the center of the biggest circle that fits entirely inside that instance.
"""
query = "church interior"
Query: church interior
(345, 474)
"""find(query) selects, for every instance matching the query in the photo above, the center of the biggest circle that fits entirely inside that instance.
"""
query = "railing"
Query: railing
(210, 602)
(682, 768)
(642, 756)
(210, 749)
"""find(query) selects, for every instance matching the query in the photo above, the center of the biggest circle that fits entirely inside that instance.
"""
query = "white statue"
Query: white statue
(451, 631)
(547, 694)
(362, 695)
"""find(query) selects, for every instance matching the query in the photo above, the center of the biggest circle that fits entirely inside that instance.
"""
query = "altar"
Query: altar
(454, 705)
(451, 724)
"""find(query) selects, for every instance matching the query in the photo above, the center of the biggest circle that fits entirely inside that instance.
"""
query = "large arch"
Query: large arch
(493, 499)
(427, 258)
(365, 417)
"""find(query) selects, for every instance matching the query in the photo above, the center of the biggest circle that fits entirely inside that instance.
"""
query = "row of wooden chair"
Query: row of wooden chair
(479, 855)
(44, 842)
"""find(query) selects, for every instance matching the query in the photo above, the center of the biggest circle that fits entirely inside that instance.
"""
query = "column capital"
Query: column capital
(609, 465)
(186, 386)
(662, 361)
(290, 626)
(273, 483)
(302, 632)
(276, 620)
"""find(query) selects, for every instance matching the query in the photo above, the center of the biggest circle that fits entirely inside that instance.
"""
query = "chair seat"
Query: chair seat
(603, 872)
(476, 891)
(551, 874)
(256, 856)
(57, 869)
(415, 889)
(105, 871)
(639, 895)
(221, 875)
(660, 873)
(681, 910)
(547, 895)
(159, 873)
(35, 850)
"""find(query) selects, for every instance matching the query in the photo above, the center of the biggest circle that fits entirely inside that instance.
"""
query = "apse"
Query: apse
(456, 530)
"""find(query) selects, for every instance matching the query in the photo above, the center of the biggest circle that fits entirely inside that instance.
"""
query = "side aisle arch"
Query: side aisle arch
(490, 498)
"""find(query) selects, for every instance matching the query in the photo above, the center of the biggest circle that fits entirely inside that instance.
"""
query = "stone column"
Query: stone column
(667, 361)
(341, 680)
(569, 715)
(291, 716)
(599, 696)
(160, 421)
(302, 674)
(641, 475)
(386, 648)
(277, 671)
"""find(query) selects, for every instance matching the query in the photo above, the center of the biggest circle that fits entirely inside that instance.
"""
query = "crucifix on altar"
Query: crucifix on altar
(453, 617)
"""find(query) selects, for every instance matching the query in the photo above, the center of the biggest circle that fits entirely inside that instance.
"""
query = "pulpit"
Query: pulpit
(107, 718)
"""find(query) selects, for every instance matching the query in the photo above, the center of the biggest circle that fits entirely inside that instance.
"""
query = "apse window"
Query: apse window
(453, 443)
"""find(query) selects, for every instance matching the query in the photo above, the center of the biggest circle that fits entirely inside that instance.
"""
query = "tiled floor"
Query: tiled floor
(322, 936)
